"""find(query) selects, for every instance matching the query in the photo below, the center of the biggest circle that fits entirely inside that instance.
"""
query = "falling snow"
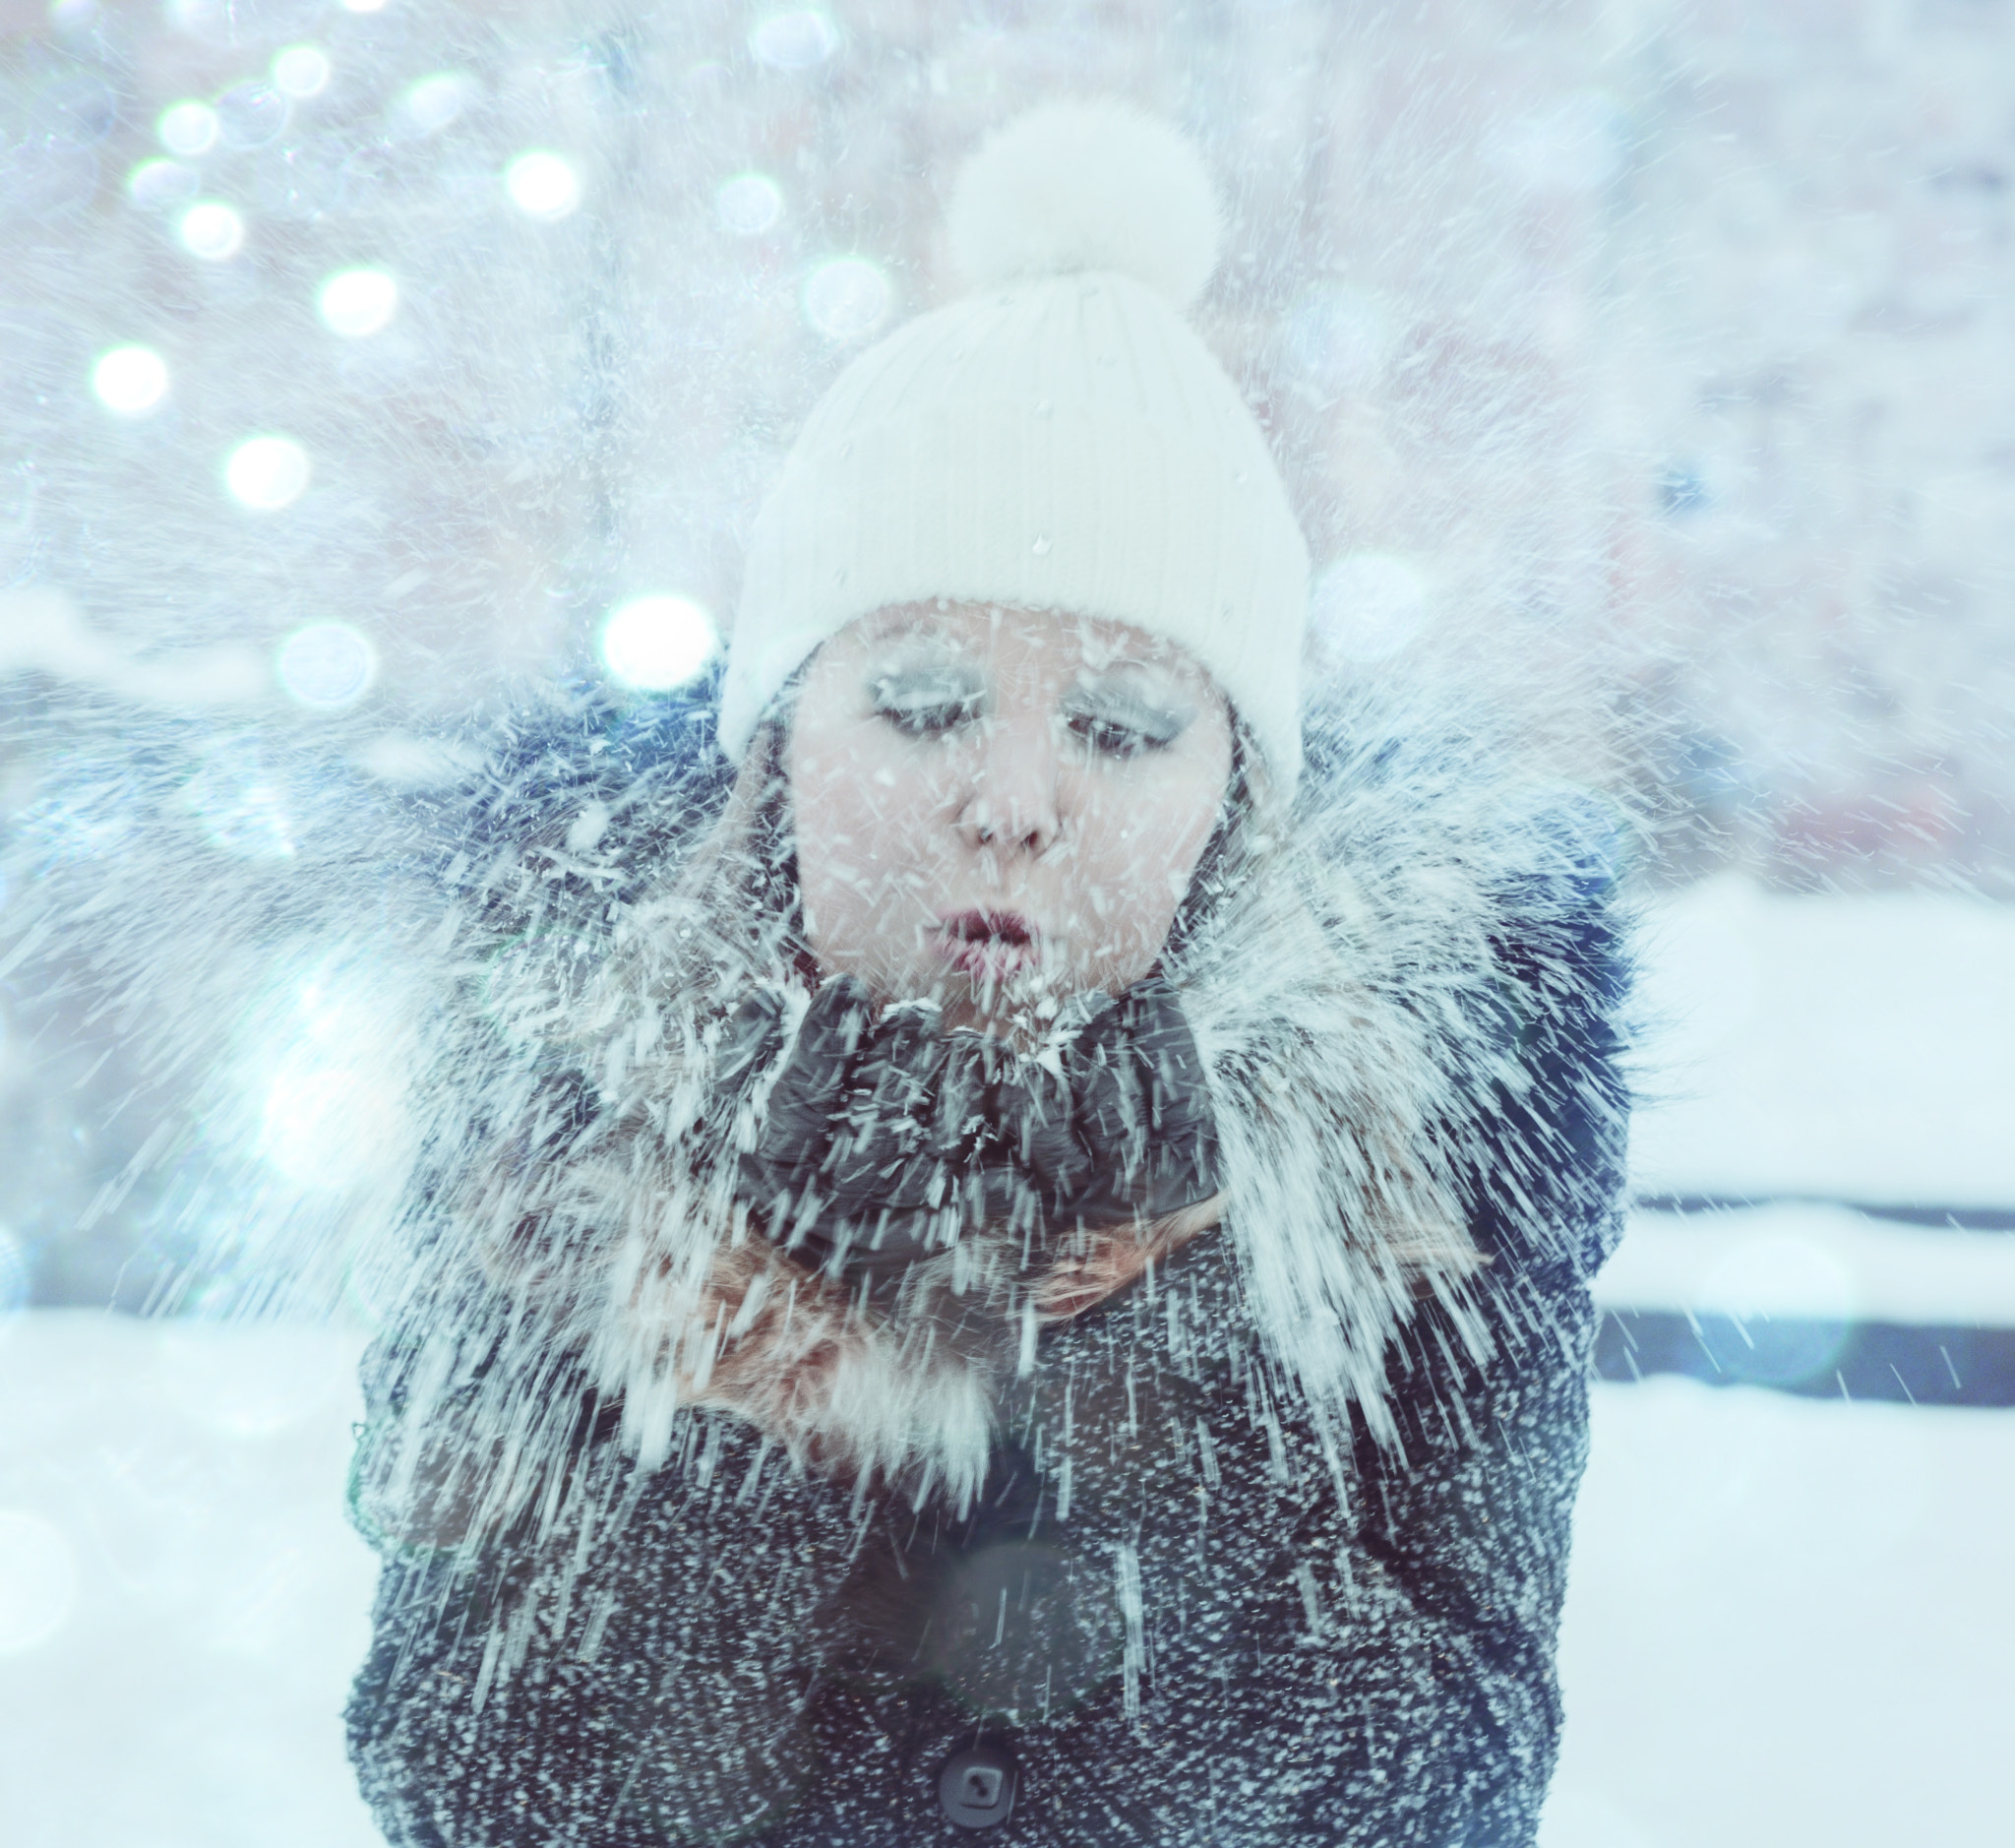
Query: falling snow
(390, 391)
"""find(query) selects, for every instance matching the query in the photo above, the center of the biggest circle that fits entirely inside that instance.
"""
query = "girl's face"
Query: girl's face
(991, 804)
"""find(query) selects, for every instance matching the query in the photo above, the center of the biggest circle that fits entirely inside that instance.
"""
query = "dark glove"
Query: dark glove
(869, 1147)
(884, 1138)
(1144, 1141)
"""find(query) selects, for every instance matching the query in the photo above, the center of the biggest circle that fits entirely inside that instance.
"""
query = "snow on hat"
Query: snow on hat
(1060, 439)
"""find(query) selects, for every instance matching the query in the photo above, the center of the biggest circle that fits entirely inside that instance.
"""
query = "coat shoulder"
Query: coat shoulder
(1502, 892)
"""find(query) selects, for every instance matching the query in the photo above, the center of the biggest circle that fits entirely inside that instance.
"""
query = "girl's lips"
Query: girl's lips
(988, 946)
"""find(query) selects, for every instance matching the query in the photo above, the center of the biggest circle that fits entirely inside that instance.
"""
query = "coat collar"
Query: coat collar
(1346, 995)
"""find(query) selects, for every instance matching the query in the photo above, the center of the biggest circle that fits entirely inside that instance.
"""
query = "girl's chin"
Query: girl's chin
(987, 991)
(991, 965)
(994, 993)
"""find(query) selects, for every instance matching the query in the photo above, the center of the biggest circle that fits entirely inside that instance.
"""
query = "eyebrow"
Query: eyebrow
(914, 625)
(1181, 678)
(1161, 699)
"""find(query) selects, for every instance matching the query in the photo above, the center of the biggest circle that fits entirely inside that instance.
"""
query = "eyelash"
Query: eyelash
(1114, 738)
(926, 718)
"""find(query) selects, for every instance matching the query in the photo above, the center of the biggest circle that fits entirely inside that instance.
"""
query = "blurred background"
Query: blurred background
(362, 365)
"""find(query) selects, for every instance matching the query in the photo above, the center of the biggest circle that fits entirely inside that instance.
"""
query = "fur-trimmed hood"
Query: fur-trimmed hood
(1349, 996)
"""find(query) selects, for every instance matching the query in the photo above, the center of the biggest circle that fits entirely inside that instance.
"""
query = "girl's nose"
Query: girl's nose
(1014, 801)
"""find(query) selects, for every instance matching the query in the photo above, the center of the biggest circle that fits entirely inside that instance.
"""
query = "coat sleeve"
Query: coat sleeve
(1464, 1527)
(641, 1674)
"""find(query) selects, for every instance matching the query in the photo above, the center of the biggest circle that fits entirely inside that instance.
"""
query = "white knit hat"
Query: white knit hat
(1059, 440)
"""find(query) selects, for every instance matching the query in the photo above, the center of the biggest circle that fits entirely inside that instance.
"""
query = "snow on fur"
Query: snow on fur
(567, 1202)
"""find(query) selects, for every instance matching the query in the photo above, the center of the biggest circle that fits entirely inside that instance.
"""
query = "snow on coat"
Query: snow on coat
(1267, 1546)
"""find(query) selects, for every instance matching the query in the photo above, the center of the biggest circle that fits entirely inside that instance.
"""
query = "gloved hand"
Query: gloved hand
(1144, 1142)
(884, 1138)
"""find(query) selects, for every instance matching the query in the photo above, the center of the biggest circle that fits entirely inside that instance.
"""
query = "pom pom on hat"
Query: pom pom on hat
(1087, 185)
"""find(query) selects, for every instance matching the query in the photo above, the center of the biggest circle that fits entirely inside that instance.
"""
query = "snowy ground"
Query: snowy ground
(181, 1603)
(1855, 1049)
(1788, 1624)
(1788, 1620)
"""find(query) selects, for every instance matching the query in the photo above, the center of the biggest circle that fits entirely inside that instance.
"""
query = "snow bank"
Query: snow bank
(181, 1601)
(1787, 1620)
(1855, 1048)
(1787, 1623)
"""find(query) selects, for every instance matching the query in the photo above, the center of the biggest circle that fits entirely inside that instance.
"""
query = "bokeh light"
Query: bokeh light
(542, 184)
(1793, 1300)
(332, 1106)
(268, 473)
(251, 115)
(1367, 606)
(1577, 145)
(301, 71)
(239, 805)
(160, 184)
(325, 665)
(748, 204)
(189, 129)
(846, 298)
(1781, 1274)
(130, 380)
(795, 40)
(357, 303)
(38, 1580)
(658, 643)
(432, 104)
(1337, 338)
(211, 230)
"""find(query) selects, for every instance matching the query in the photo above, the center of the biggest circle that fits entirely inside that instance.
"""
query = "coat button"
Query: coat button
(976, 1786)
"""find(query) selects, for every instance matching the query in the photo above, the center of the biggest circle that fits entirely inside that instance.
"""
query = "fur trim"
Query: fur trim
(906, 1396)
(1341, 997)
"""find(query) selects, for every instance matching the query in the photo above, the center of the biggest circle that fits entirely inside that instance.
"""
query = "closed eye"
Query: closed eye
(1118, 725)
(1109, 738)
(926, 704)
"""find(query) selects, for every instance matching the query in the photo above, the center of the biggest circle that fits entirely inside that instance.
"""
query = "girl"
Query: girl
(1018, 1262)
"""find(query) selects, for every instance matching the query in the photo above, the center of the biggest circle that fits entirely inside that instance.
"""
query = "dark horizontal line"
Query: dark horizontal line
(1949, 1218)
(1905, 1363)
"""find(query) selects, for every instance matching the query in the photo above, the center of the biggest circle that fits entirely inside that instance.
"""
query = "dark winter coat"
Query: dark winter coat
(1200, 1597)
